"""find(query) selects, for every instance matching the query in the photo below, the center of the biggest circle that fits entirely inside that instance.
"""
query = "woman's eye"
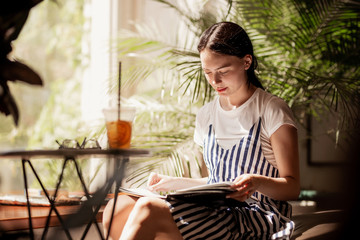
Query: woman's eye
(223, 73)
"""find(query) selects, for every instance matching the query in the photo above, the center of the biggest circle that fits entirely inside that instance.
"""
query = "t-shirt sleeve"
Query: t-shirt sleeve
(201, 123)
(277, 113)
(198, 133)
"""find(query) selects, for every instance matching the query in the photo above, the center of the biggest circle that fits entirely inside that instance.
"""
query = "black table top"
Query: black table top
(69, 152)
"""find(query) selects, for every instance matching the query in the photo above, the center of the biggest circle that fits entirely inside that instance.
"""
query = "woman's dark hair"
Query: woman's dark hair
(230, 39)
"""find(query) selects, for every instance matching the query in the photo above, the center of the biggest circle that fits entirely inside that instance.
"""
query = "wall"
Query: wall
(323, 178)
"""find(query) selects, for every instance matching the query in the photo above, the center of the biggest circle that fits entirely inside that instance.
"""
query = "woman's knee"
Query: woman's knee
(124, 204)
(153, 217)
(147, 208)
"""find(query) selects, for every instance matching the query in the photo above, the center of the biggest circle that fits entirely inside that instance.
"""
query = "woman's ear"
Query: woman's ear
(247, 61)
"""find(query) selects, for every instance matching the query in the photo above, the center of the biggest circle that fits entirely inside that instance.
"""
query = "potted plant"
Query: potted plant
(13, 15)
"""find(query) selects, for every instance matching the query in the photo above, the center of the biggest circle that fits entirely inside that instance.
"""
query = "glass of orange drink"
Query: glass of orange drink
(119, 126)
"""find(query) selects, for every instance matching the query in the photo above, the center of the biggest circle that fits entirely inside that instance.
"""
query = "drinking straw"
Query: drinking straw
(119, 90)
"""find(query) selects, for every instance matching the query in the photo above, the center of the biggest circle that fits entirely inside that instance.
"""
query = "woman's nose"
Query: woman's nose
(216, 78)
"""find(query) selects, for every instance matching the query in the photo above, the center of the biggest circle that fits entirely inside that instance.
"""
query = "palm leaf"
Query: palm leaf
(307, 53)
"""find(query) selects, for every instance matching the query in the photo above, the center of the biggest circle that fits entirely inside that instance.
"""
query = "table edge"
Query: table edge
(74, 152)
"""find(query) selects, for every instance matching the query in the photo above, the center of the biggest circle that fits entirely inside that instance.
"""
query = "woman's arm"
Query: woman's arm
(158, 182)
(287, 187)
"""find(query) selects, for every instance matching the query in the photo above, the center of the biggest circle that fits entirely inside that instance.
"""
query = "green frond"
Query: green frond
(307, 53)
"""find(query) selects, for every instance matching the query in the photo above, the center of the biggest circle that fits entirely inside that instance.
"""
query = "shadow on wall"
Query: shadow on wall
(350, 192)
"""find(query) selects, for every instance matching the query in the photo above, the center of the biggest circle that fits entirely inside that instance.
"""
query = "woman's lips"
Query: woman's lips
(219, 90)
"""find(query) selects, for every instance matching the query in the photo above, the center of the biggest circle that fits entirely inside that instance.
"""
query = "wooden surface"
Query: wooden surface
(16, 217)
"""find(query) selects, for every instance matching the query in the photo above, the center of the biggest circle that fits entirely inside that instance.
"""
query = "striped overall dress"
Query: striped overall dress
(263, 218)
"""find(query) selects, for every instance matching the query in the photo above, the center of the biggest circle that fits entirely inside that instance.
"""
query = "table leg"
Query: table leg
(55, 194)
(119, 168)
(51, 201)
(96, 201)
(27, 198)
(95, 211)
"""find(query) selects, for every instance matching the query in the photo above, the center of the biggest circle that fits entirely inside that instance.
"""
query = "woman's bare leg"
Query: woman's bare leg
(123, 208)
(150, 219)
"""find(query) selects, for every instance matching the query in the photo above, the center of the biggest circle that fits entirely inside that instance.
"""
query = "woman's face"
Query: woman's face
(225, 73)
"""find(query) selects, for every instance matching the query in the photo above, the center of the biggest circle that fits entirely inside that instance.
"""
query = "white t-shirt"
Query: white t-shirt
(231, 126)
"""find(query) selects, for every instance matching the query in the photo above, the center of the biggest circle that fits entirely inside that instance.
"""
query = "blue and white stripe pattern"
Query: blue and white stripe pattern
(265, 218)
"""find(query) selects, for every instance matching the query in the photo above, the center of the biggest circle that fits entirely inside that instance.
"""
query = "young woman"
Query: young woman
(248, 137)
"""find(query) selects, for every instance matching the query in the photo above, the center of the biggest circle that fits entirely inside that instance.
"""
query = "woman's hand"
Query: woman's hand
(245, 186)
(158, 182)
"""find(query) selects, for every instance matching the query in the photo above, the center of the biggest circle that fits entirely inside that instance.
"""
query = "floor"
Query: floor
(318, 222)
(322, 225)
(54, 233)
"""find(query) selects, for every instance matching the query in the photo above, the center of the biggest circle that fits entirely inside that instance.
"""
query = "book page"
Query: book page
(140, 192)
(207, 187)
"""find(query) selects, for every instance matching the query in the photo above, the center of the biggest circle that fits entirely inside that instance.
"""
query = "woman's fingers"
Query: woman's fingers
(157, 187)
(240, 195)
(241, 187)
(153, 179)
(158, 182)
(241, 180)
(244, 188)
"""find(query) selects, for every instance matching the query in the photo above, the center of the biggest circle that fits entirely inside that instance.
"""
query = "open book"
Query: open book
(208, 193)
